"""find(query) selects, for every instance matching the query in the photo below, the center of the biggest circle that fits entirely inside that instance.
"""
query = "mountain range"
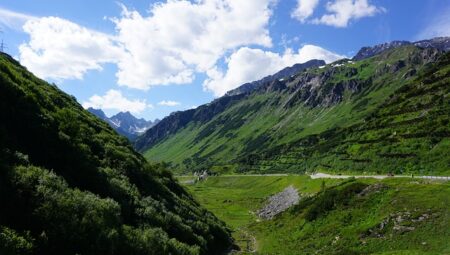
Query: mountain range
(441, 43)
(180, 119)
(286, 72)
(70, 184)
(125, 123)
(384, 110)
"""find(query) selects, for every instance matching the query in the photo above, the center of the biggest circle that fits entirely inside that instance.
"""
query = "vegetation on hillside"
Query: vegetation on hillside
(409, 133)
(70, 185)
(387, 113)
(364, 216)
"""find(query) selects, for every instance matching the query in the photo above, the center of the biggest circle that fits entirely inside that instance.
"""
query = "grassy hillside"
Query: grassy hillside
(408, 133)
(70, 185)
(336, 118)
(234, 199)
(364, 216)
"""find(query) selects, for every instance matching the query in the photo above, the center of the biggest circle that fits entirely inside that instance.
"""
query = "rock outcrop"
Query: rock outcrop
(279, 203)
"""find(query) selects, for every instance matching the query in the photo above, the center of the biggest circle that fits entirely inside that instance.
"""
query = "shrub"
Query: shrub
(332, 198)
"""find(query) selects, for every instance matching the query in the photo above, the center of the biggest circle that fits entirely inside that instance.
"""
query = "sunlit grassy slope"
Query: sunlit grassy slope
(234, 199)
(338, 220)
(393, 117)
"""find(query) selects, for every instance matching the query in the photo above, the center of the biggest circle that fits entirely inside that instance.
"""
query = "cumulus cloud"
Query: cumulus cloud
(179, 38)
(167, 45)
(61, 49)
(114, 100)
(341, 12)
(308, 52)
(248, 64)
(304, 9)
(169, 103)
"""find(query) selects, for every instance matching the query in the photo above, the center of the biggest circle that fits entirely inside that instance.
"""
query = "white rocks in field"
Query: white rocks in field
(279, 203)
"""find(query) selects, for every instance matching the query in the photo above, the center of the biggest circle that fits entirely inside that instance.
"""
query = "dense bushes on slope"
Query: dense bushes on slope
(70, 185)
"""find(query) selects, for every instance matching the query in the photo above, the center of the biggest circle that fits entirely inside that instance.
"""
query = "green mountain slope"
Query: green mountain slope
(70, 185)
(334, 117)
(408, 133)
(363, 216)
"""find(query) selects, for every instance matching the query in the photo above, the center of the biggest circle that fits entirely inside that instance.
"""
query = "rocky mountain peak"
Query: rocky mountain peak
(286, 72)
(124, 115)
(98, 112)
(125, 123)
(441, 43)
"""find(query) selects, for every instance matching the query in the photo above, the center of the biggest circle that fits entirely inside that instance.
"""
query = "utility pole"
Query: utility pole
(2, 44)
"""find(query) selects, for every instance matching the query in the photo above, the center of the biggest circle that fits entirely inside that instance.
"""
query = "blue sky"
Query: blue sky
(155, 57)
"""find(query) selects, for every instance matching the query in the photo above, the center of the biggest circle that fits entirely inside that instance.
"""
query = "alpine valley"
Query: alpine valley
(384, 111)
(349, 157)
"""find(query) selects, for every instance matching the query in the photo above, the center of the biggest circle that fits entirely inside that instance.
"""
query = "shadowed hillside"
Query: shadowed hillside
(69, 184)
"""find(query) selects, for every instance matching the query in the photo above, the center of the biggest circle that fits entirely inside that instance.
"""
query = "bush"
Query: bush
(72, 185)
(332, 198)
(12, 243)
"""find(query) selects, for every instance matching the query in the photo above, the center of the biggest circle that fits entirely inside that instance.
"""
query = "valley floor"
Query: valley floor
(330, 176)
(395, 215)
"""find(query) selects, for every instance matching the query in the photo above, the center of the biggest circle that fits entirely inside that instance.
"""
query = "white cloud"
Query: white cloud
(304, 9)
(169, 103)
(308, 52)
(247, 64)
(114, 100)
(14, 20)
(179, 38)
(168, 45)
(341, 12)
(438, 26)
(61, 49)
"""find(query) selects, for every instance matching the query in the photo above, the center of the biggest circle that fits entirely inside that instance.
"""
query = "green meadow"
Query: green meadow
(333, 216)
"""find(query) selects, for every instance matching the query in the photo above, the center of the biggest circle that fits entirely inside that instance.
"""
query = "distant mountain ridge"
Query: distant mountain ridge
(441, 43)
(178, 120)
(270, 127)
(125, 123)
(286, 72)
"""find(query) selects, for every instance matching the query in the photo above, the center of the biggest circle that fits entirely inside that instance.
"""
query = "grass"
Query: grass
(234, 199)
(342, 228)
(390, 123)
